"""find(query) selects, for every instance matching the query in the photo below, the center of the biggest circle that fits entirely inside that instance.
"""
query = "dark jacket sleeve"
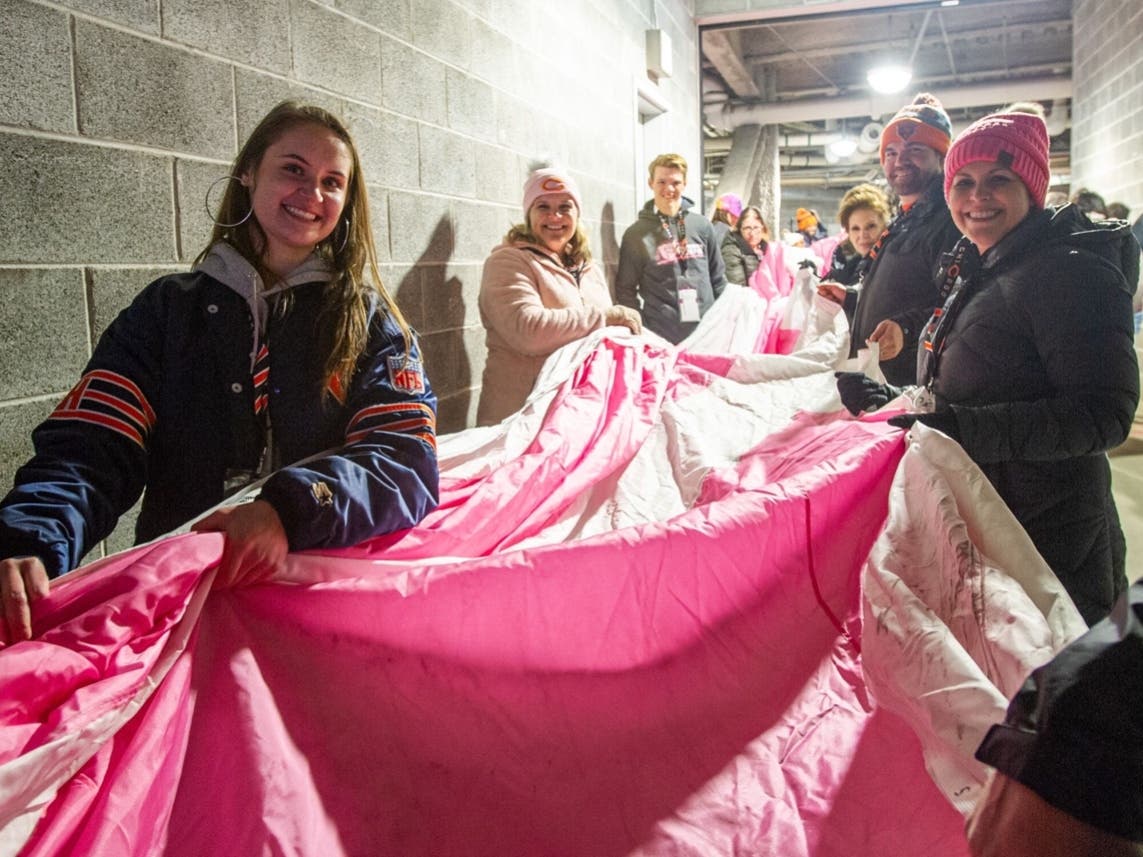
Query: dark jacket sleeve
(385, 477)
(733, 262)
(1074, 732)
(941, 235)
(1081, 321)
(632, 259)
(90, 453)
(717, 266)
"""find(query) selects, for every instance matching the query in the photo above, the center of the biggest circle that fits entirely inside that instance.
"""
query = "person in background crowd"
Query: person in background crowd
(864, 215)
(809, 226)
(727, 209)
(1069, 774)
(1118, 211)
(1090, 203)
(897, 293)
(1055, 199)
(283, 322)
(749, 248)
(539, 291)
(1030, 364)
(670, 267)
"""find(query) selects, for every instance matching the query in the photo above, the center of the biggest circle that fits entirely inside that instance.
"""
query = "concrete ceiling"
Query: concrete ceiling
(806, 73)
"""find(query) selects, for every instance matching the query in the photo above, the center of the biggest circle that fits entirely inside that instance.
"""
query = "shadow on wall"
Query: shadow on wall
(434, 304)
(609, 251)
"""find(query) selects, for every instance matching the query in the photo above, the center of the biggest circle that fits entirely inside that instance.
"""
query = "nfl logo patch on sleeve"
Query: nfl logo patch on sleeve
(406, 374)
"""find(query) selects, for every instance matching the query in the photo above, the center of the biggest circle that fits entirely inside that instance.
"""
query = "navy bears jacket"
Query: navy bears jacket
(167, 403)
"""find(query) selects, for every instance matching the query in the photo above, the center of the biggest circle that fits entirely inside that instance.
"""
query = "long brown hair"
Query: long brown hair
(344, 319)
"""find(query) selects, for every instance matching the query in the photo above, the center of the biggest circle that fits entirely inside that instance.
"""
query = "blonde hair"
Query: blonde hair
(349, 297)
(863, 196)
(575, 253)
(669, 160)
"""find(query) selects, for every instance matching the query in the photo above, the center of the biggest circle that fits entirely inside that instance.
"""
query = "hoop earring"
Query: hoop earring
(210, 213)
(345, 239)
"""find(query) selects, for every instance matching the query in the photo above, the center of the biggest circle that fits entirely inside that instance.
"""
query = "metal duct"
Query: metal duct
(732, 115)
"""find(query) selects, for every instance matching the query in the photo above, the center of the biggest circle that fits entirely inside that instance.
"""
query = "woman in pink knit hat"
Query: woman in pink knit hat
(1030, 363)
(539, 291)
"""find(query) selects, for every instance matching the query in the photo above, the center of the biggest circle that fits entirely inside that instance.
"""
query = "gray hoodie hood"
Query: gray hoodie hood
(230, 268)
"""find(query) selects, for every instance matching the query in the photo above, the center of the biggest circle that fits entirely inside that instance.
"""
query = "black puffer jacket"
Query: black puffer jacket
(1039, 368)
(899, 282)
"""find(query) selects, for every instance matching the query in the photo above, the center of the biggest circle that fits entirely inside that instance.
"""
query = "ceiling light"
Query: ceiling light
(950, 2)
(843, 147)
(889, 78)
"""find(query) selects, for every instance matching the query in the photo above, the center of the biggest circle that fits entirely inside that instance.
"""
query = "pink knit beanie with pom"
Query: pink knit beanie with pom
(1017, 141)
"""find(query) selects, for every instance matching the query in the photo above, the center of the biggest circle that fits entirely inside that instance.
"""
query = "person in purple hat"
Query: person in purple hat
(727, 210)
(1030, 363)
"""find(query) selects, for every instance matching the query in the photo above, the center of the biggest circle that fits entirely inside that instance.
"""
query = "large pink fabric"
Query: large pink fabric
(633, 626)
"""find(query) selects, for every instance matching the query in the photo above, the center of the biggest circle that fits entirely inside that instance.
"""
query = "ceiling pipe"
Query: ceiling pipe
(868, 140)
(732, 115)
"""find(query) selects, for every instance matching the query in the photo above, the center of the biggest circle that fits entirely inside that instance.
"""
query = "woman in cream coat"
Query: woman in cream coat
(540, 290)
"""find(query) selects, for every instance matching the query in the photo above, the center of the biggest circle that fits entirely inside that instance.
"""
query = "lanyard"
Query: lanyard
(680, 242)
(957, 274)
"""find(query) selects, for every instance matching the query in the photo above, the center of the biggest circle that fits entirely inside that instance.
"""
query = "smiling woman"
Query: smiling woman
(539, 291)
(1030, 363)
(281, 346)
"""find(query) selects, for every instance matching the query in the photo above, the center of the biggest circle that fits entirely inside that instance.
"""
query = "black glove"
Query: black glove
(861, 393)
(943, 421)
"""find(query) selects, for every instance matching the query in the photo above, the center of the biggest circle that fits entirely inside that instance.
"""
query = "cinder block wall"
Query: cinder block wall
(116, 117)
(1107, 105)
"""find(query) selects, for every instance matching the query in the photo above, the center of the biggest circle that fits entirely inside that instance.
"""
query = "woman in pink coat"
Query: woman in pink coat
(540, 290)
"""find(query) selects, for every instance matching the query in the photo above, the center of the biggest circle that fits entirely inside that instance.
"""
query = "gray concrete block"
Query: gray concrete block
(413, 83)
(444, 30)
(446, 362)
(448, 162)
(256, 94)
(450, 295)
(194, 180)
(476, 346)
(142, 15)
(177, 100)
(403, 283)
(494, 57)
(379, 222)
(551, 139)
(515, 127)
(334, 52)
(16, 424)
(471, 105)
(390, 16)
(112, 289)
(253, 32)
(72, 202)
(480, 227)
(481, 8)
(388, 146)
(35, 68)
(43, 330)
(421, 228)
(457, 411)
(499, 175)
(517, 19)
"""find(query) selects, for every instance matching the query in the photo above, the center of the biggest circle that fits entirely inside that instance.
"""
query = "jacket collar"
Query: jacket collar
(229, 267)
